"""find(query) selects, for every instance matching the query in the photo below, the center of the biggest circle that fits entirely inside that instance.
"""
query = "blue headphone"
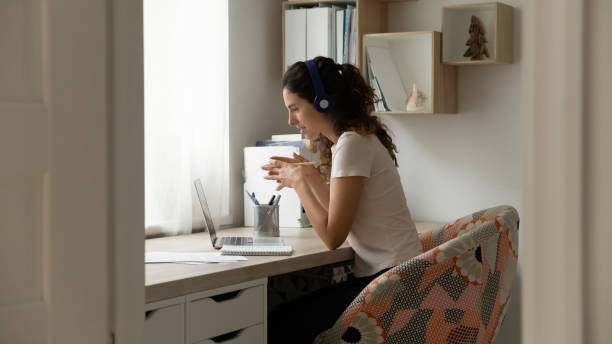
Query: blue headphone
(321, 101)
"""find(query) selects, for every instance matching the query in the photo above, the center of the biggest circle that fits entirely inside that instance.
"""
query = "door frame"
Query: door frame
(127, 168)
(552, 223)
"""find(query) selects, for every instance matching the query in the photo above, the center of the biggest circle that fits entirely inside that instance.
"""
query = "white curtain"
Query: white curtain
(186, 113)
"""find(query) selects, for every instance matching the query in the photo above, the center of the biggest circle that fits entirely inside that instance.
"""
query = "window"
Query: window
(186, 112)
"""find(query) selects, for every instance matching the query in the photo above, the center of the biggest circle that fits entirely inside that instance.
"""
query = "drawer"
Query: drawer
(220, 314)
(165, 325)
(251, 335)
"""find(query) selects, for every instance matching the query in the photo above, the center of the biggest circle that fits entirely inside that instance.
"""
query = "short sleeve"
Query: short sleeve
(352, 156)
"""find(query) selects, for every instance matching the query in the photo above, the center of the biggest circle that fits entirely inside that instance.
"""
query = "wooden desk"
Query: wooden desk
(163, 281)
(196, 303)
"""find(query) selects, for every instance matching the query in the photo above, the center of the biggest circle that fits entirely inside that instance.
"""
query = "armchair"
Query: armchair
(456, 291)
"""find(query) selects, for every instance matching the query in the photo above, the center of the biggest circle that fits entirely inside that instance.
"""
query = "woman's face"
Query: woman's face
(304, 116)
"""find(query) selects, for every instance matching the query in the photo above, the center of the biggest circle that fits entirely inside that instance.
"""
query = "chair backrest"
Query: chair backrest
(456, 291)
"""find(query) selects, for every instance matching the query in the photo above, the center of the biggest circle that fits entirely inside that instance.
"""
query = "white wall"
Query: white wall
(256, 104)
(452, 165)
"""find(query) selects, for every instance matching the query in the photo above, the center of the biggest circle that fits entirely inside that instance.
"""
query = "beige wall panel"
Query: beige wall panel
(598, 161)
(23, 163)
(25, 324)
(21, 233)
(20, 44)
(23, 138)
(553, 172)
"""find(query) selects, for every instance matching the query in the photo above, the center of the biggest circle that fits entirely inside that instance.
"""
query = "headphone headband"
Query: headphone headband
(321, 102)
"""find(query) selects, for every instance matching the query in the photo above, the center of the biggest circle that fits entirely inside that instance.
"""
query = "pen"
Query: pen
(271, 200)
(254, 198)
(276, 200)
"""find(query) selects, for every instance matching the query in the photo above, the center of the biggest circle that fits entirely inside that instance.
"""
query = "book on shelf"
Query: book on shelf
(385, 106)
(334, 32)
(267, 143)
(381, 105)
(324, 30)
(295, 36)
(295, 140)
(318, 32)
(287, 137)
(348, 25)
(339, 34)
(377, 105)
(352, 36)
(387, 77)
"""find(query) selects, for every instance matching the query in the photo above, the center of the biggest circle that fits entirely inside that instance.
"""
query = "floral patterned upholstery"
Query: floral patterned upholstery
(457, 291)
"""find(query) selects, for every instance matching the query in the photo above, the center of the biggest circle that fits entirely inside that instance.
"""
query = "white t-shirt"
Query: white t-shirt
(383, 234)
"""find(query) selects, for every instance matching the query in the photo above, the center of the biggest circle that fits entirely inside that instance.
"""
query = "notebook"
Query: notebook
(256, 250)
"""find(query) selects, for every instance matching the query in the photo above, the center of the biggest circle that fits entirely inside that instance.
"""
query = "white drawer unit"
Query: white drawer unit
(250, 335)
(165, 322)
(233, 311)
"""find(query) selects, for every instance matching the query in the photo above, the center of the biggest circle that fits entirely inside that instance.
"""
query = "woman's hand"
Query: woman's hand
(296, 159)
(288, 172)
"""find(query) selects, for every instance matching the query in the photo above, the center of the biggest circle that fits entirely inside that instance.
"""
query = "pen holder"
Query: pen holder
(265, 220)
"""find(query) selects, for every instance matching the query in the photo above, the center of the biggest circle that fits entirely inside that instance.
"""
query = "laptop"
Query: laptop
(217, 242)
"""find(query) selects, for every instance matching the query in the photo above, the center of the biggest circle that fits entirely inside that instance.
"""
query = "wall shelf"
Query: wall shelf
(416, 56)
(497, 19)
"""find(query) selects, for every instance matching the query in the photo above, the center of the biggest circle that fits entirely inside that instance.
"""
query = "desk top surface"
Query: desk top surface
(163, 281)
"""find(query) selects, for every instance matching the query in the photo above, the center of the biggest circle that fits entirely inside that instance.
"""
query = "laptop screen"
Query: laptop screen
(207, 218)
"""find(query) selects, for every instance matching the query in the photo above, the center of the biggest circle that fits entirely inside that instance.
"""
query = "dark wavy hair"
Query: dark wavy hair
(352, 103)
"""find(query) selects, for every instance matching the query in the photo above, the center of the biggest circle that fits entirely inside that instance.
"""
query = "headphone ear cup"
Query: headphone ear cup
(322, 104)
(321, 101)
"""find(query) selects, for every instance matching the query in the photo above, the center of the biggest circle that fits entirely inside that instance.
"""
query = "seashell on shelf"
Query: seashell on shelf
(415, 100)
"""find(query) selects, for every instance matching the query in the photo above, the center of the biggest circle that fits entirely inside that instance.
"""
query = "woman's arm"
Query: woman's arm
(317, 185)
(333, 223)
(331, 215)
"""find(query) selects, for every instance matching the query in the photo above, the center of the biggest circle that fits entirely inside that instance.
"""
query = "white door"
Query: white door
(60, 171)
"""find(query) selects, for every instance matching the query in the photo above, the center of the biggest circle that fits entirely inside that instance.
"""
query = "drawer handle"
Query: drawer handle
(150, 313)
(226, 296)
(225, 337)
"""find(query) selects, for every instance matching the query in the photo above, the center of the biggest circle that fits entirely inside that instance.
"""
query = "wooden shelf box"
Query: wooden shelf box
(371, 16)
(416, 56)
(497, 19)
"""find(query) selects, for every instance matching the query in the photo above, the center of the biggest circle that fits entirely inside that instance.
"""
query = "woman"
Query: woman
(364, 203)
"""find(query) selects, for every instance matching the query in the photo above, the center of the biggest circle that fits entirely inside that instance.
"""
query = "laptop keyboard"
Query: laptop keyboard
(236, 241)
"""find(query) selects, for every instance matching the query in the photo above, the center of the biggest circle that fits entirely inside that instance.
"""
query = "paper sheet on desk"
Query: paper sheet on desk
(189, 257)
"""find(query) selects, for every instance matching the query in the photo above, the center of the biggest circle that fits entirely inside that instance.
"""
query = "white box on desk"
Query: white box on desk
(290, 208)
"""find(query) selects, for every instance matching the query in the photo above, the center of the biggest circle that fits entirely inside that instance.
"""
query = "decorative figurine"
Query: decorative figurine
(477, 42)
(415, 100)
